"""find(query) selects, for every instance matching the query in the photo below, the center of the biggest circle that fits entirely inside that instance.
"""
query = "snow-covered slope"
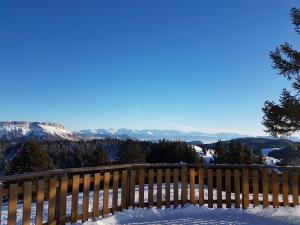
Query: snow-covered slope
(208, 155)
(23, 130)
(155, 134)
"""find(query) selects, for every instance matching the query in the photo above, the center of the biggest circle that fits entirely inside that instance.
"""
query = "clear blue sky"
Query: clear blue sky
(189, 65)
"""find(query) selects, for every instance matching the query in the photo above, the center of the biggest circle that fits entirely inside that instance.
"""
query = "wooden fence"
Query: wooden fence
(60, 196)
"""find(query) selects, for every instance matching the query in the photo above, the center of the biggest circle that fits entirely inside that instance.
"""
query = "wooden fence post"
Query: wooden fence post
(12, 204)
(295, 189)
(141, 187)
(219, 188)
(245, 188)
(192, 186)
(237, 187)
(124, 190)
(275, 189)
(27, 198)
(228, 187)
(210, 188)
(265, 181)
(175, 184)
(201, 186)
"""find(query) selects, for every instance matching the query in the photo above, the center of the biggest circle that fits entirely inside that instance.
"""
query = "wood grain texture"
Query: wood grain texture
(192, 186)
(175, 180)
(168, 181)
(75, 192)
(150, 187)
(245, 188)
(115, 191)
(285, 188)
(106, 193)
(255, 187)
(12, 204)
(237, 188)
(86, 191)
(265, 180)
(52, 202)
(124, 190)
(27, 199)
(295, 188)
(228, 187)
(219, 188)
(141, 187)
(210, 188)
(275, 189)
(40, 202)
(132, 188)
(159, 188)
(183, 186)
(97, 177)
(201, 186)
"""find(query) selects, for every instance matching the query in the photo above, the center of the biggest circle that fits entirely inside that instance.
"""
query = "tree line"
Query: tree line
(38, 156)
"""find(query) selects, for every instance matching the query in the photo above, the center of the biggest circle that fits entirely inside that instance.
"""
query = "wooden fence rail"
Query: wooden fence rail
(71, 195)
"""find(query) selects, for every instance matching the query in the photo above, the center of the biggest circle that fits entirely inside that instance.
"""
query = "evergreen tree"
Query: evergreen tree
(284, 118)
(31, 158)
(172, 152)
(131, 152)
(220, 153)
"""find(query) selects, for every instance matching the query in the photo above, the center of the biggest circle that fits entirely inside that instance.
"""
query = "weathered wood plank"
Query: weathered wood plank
(219, 188)
(255, 187)
(52, 202)
(175, 181)
(1, 199)
(168, 180)
(201, 186)
(27, 198)
(275, 189)
(159, 188)
(40, 202)
(295, 189)
(141, 187)
(132, 188)
(106, 193)
(228, 187)
(285, 188)
(210, 188)
(86, 190)
(192, 186)
(245, 188)
(183, 186)
(150, 187)
(265, 180)
(115, 191)
(12, 204)
(124, 190)
(75, 192)
(63, 199)
(97, 177)
(237, 187)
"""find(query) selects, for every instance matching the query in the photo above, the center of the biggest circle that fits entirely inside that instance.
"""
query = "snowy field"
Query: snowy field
(189, 213)
(202, 215)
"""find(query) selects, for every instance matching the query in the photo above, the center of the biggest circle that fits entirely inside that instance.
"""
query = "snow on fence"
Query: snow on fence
(80, 194)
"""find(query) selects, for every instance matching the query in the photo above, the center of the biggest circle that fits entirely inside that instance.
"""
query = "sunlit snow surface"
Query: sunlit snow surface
(191, 214)
(177, 216)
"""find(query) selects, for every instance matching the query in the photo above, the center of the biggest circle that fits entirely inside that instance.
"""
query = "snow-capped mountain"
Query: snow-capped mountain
(23, 130)
(155, 134)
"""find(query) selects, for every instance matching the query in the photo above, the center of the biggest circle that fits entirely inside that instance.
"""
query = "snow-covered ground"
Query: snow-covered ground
(208, 156)
(4, 215)
(191, 214)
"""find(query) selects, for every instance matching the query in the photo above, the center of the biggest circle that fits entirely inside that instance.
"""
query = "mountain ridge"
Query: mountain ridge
(47, 131)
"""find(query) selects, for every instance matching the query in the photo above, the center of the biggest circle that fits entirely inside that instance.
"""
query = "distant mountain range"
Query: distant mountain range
(22, 131)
